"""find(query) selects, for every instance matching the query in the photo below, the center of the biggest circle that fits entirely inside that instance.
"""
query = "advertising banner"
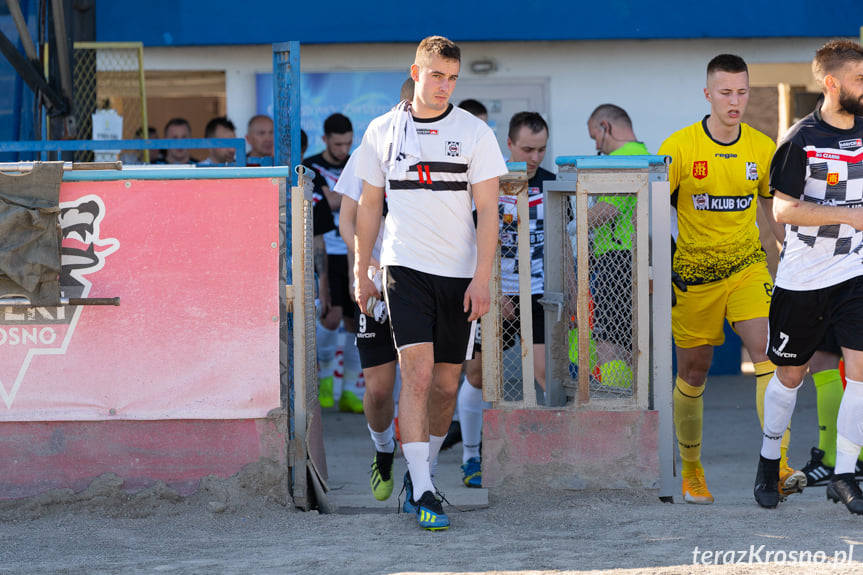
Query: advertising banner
(195, 264)
(361, 96)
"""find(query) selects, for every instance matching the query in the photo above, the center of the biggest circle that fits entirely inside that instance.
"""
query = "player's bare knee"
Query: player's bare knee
(791, 376)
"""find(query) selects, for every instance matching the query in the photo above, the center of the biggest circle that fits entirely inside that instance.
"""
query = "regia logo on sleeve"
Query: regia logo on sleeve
(699, 170)
(426, 132)
(453, 149)
(850, 144)
(27, 332)
(752, 171)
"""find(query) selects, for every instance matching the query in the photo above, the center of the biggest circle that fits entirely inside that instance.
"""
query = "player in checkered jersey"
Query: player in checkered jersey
(817, 179)
(719, 169)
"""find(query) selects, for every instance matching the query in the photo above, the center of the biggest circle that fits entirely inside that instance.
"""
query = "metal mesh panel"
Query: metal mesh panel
(310, 377)
(511, 368)
(596, 292)
(610, 296)
(110, 76)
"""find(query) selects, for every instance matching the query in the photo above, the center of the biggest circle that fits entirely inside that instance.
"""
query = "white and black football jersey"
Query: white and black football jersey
(819, 163)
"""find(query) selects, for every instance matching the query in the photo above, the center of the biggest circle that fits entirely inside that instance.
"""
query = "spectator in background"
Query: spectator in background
(476, 108)
(178, 129)
(611, 219)
(259, 135)
(131, 157)
(220, 127)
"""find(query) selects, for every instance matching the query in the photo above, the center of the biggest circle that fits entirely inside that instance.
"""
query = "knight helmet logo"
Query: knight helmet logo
(32, 331)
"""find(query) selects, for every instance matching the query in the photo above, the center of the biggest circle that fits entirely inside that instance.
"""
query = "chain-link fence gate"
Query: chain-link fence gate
(110, 75)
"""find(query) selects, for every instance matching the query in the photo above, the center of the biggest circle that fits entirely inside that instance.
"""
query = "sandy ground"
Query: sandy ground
(230, 527)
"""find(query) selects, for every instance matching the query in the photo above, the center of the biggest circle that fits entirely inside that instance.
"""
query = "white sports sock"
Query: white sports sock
(327, 341)
(470, 414)
(849, 427)
(352, 368)
(417, 457)
(435, 442)
(779, 402)
(383, 440)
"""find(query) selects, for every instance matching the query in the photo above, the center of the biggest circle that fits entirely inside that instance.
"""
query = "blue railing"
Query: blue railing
(42, 147)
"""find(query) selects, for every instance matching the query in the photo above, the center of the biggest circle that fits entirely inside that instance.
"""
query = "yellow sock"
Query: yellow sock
(688, 423)
(763, 374)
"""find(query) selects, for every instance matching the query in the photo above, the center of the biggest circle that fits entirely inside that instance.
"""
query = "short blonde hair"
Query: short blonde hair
(437, 46)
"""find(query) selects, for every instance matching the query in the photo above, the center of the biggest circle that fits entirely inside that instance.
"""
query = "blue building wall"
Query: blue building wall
(214, 22)
(16, 99)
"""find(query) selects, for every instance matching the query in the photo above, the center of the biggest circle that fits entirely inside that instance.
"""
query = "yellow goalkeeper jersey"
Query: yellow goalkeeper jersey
(714, 188)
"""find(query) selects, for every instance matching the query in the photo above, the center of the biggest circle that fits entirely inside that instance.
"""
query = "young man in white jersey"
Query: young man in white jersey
(431, 159)
(374, 341)
(817, 180)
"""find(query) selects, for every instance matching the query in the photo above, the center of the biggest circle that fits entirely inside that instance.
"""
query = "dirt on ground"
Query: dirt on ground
(239, 525)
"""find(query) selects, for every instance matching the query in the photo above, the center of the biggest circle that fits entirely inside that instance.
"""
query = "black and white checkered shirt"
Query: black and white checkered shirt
(819, 163)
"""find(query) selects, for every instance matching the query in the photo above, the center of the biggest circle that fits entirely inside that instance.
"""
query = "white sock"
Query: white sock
(435, 441)
(327, 340)
(849, 427)
(417, 457)
(470, 414)
(779, 402)
(352, 368)
(383, 440)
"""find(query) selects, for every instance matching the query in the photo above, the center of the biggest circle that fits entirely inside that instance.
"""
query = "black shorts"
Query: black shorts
(340, 284)
(510, 328)
(829, 343)
(612, 298)
(426, 308)
(800, 320)
(374, 340)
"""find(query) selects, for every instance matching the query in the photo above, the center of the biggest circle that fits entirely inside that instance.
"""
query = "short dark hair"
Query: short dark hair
(532, 120)
(611, 113)
(304, 141)
(437, 46)
(177, 122)
(151, 131)
(337, 124)
(475, 107)
(223, 121)
(833, 55)
(729, 63)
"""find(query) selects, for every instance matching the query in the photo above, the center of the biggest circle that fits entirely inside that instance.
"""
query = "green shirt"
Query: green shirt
(617, 233)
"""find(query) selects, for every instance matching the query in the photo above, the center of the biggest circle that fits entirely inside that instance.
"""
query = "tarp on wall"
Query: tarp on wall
(196, 266)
